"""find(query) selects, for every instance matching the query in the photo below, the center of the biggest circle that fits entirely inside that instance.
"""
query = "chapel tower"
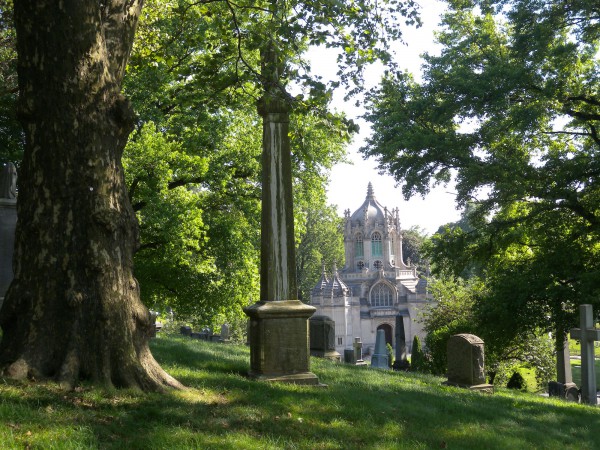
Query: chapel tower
(376, 285)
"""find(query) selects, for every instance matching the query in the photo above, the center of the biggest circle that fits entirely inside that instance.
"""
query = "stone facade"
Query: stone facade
(375, 285)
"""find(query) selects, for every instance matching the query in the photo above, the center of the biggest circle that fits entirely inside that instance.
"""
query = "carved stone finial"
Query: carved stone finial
(370, 192)
(8, 181)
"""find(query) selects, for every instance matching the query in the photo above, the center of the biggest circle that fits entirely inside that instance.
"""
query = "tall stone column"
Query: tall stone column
(8, 223)
(278, 332)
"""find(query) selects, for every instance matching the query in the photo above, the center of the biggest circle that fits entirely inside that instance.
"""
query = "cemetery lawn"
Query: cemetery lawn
(361, 408)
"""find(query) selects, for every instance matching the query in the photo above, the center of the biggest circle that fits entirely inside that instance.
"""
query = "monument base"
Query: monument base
(331, 355)
(485, 388)
(279, 345)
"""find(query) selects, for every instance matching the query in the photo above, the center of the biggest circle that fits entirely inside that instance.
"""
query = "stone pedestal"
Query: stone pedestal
(279, 347)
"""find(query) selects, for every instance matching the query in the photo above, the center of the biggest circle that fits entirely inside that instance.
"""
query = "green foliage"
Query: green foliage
(517, 382)
(510, 109)
(390, 353)
(453, 314)
(11, 136)
(413, 242)
(417, 358)
(462, 308)
(193, 164)
(321, 242)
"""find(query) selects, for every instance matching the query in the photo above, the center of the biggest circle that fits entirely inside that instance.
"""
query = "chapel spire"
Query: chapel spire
(370, 193)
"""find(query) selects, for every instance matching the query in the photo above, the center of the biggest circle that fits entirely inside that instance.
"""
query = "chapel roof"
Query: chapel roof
(336, 287)
(371, 209)
(321, 284)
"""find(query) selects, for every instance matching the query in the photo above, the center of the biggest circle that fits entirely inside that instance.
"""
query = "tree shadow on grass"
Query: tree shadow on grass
(361, 408)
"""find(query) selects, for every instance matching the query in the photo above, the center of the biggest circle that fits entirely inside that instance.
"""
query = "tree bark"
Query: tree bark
(73, 310)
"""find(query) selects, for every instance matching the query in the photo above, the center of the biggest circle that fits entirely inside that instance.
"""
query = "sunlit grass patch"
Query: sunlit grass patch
(224, 409)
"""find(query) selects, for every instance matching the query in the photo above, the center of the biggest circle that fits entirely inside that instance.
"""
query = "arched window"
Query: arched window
(381, 295)
(358, 246)
(376, 246)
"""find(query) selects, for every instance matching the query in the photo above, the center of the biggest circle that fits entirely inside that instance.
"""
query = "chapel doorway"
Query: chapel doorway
(388, 333)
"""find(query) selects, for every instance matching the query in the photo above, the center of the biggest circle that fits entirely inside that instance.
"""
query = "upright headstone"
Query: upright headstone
(563, 387)
(466, 365)
(401, 360)
(322, 338)
(380, 358)
(8, 223)
(349, 356)
(587, 334)
(225, 332)
(185, 330)
(279, 342)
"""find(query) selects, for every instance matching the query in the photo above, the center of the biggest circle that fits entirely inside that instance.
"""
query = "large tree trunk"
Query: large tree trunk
(73, 310)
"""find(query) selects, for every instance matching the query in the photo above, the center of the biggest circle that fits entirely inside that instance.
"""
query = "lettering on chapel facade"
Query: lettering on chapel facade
(376, 284)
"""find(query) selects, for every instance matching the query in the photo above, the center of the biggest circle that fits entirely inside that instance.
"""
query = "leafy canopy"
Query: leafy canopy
(510, 109)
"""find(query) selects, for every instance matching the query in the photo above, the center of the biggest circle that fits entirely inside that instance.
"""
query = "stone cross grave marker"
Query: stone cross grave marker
(358, 354)
(587, 334)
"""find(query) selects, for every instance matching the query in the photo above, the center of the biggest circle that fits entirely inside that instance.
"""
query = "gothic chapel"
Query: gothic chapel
(376, 285)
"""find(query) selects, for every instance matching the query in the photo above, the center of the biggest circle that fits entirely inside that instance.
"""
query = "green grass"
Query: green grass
(361, 408)
(575, 348)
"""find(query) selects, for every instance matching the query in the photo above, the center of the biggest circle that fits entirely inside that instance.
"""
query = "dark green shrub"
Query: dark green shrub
(517, 381)
(417, 361)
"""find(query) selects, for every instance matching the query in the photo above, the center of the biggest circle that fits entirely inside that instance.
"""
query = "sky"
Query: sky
(348, 186)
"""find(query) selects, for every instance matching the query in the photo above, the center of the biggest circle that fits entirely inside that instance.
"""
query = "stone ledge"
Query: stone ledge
(280, 308)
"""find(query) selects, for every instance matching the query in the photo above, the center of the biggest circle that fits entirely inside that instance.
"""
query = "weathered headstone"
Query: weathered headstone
(380, 358)
(349, 356)
(466, 365)
(205, 334)
(322, 338)
(564, 386)
(185, 330)
(358, 353)
(401, 360)
(225, 333)
(587, 334)
(8, 223)
(279, 343)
